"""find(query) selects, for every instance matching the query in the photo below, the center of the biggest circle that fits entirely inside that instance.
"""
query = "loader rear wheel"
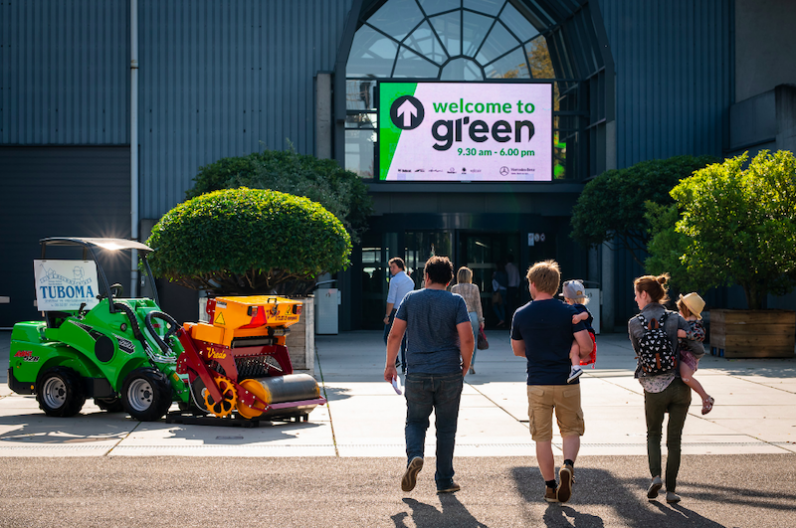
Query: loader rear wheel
(111, 405)
(60, 393)
(146, 394)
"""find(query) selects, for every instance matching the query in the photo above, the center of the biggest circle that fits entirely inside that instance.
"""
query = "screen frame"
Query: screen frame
(377, 151)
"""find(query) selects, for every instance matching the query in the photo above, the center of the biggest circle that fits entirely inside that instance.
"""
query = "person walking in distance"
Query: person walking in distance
(400, 285)
(472, 296)
(439, 349)
(513, 288)
(542, 331)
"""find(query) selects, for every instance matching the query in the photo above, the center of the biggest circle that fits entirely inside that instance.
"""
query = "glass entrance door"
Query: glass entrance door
(486, 254)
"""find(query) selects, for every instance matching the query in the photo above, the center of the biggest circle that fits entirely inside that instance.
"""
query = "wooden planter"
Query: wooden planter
(752, 333)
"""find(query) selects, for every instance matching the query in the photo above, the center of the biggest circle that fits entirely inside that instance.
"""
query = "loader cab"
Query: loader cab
(71, 277)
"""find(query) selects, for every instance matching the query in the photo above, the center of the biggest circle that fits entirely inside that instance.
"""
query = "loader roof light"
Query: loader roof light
(258, 317)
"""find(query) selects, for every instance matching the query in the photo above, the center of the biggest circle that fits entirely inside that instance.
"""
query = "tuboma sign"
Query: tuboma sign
(432, 131)
(65, 284)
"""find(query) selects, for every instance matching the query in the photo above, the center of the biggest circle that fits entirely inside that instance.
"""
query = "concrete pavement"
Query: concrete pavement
(755, 412)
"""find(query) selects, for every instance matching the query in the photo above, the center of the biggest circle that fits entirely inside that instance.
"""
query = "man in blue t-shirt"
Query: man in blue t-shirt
(439, 350)
(542, 331)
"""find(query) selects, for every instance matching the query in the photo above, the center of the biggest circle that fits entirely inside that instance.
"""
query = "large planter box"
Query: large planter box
(752, 333)
(300, 341)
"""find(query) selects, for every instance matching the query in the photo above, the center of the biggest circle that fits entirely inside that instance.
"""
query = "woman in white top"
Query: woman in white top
(472, 296)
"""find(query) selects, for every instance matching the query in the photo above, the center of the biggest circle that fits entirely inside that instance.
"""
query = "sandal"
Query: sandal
(707, 405)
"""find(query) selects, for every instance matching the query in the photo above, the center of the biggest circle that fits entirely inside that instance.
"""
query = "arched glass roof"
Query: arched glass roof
(446, 39)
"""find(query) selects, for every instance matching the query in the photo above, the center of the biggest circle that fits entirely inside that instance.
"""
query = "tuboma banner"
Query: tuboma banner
(434, 131)
(65, 284)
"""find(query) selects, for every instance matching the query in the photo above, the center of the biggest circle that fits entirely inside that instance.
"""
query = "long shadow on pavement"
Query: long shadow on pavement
(597, 487)
(453, 514)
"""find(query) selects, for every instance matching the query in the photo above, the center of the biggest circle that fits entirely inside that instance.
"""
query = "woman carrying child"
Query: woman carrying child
(574, 294)
(691, 350)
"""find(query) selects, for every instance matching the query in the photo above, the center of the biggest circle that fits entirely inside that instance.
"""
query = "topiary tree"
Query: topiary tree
(738, 226)
(667, 246)
(340, 191)
(611, 206)
(248, 241)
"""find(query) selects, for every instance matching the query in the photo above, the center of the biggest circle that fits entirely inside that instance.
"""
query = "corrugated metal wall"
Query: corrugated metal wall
(64, 72)
(674, 70)
(226, 78)
(674, 87)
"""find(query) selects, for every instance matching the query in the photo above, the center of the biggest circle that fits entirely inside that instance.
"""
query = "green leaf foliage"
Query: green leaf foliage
(666, 246)
(248, 241)
(740, 225)
(340, 191)
(611, 206)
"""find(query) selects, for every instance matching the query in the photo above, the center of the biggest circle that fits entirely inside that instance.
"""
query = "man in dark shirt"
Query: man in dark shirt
(542, 331)
(438, 354)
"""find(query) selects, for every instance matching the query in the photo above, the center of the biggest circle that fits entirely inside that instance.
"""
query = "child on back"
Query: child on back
(691, 350)
(574, 295)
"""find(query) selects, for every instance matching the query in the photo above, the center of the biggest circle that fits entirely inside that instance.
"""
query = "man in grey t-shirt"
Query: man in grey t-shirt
(439, 350)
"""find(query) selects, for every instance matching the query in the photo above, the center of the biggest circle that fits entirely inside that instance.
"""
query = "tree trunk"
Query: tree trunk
(755, 295)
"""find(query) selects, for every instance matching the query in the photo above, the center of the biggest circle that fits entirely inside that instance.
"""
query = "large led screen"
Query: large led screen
(479, 132)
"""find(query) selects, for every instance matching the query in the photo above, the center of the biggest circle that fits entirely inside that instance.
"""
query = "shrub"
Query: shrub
(340, 191)
(739, 225)
(248, 241)
(611, 206)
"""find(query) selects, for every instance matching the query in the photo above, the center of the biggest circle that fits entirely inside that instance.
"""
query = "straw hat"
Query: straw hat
(695, 303)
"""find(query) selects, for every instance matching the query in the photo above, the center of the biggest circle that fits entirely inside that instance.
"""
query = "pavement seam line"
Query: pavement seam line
(125, 437)
(328, 403)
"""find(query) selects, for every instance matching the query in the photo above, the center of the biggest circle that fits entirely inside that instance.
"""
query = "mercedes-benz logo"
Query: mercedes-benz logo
(504, 171)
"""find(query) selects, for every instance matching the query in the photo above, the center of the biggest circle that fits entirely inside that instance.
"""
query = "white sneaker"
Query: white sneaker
(574, 373)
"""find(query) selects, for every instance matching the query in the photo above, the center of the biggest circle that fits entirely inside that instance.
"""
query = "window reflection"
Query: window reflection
(498, 42)
(425, 42)
(372, 54)
(410, 64)
(512, 66)
(475, 29)
(359, 94)
(518, 24)
(432, 7)
(490, 7)
(359, 153)
(448, 27)
(397, 18)
(462, 70)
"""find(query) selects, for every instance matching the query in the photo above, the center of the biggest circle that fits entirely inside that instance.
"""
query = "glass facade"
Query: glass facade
(450, 40)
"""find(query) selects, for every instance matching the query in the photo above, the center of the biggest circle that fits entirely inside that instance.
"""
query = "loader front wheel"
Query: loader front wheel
(146, 394)
(60, 393)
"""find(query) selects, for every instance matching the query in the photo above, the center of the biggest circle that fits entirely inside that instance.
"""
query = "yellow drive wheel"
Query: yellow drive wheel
(229, 398)
(256, 388)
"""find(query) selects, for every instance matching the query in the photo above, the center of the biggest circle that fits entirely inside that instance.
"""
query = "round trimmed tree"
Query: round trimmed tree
(248, 241)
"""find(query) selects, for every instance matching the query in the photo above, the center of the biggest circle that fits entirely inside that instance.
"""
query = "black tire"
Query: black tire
(59, 391)
(146, 394)
(111, 405)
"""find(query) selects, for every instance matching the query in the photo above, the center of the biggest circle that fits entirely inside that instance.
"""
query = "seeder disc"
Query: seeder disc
(229, 395)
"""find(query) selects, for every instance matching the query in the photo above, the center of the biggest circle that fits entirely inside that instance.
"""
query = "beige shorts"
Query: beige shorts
(565, 400)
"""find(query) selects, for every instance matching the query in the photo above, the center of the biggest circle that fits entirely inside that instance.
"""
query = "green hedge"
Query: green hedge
(340, 191)
(612, 205)
(248, 241)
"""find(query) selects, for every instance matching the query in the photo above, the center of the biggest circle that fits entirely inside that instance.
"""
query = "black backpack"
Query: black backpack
(655, 352)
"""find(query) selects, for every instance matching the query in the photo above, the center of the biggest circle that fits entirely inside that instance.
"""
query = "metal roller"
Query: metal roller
(279, 390)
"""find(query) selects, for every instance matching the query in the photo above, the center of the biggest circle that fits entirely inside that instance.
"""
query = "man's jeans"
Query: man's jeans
(441, 393)
(387, 328)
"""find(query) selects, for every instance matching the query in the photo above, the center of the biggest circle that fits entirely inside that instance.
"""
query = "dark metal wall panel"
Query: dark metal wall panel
(674, 76)
(64, 72)
(57, 191)
(227, 78)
